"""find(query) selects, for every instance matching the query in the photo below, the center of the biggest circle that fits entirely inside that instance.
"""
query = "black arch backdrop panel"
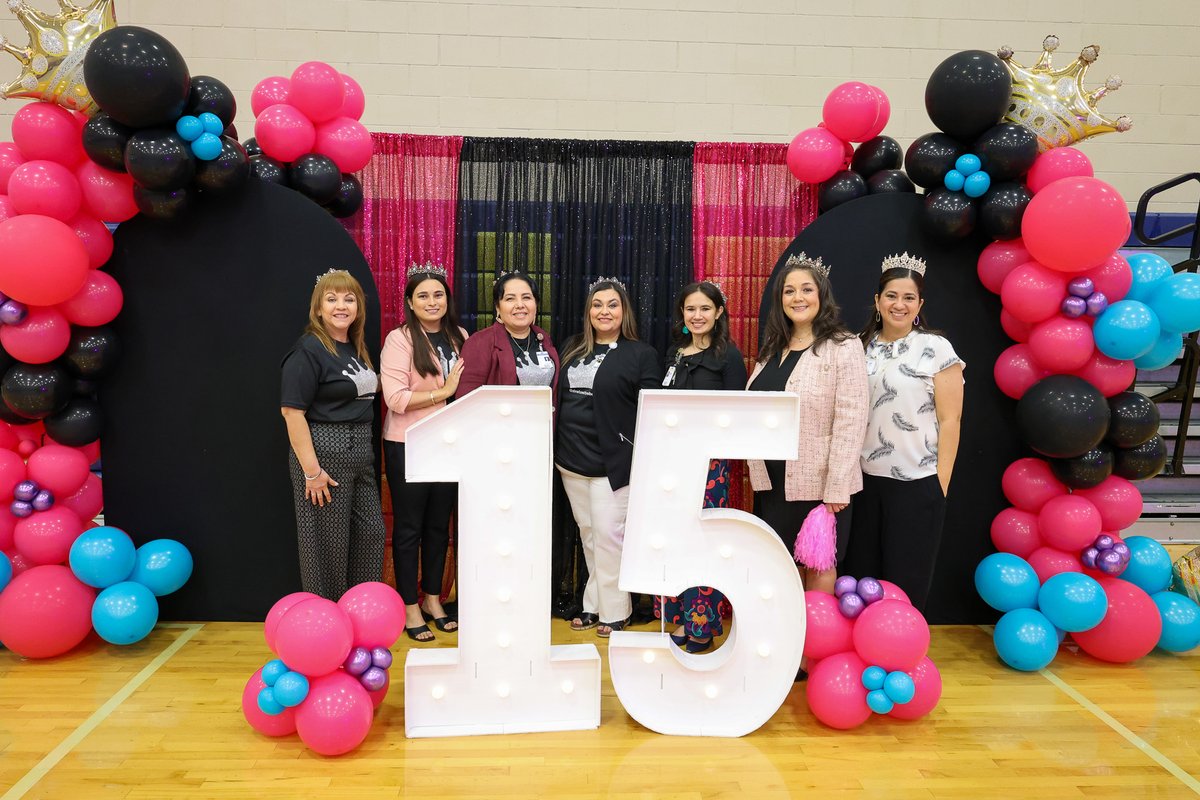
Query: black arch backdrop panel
(195, 448)
(855, 238)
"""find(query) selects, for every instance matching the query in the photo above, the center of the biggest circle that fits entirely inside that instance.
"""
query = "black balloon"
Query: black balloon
(162, 205)
(137, 77)
(1087, 470)
(225, 173)
(92, 352)
(316, 177)
(349, 197)
(948, 215)
(252, 148)
(104, 141)
(1135, 419)
(268, 169)
(159, 159)
(843, 187)
(210, 95)
(1006, 151)
(930, 157)
(1002, 208)
(873, 155)
(12, 417)
(35, 391)
(230, 131)
(968, 93)
(85, 388)
(80, 423)
(1143, 461)
(889, 180)
(1062, 416)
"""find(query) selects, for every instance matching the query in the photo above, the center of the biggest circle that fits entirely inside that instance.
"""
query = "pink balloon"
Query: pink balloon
(1056, 164)
(835, 692)
(38, 339)
(1029, 484)
(929, 691)
(96, 237)
(10, 159)
(317, 90)
(1069, 523)
(354, 102)
(1114, 277)
(8, 437)
(269, 92)
(346, 141)
(1014, 328)
(1032, 293)
(88, 501)
(893, 592)
(30, 241)
(281, 607)
(107, 195)
(284, 133)
(19, 565)
(8, 528)
(1129, 630)
(851, 111)
(1062, 345)
(1016, 370)
(6, 208)
(12, 472)
(1118, 501)
(45, 611)
(1048, 562)
(997, 260)
(1108, 375)
(44, 187)
(314, 637)
(376, 613)
(91, 451)
(60, 469)
(97, 302)
(266, 724)
(827, 630)
(885, 114)
(1016, 531)
(380, 694)
(46, 536)
(336, 716)
(814, 155)
(1075, 224)
(891, 634)
(48, 131)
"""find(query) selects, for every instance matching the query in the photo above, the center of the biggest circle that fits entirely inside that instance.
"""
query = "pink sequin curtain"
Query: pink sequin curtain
(746, 209)
(410, 196)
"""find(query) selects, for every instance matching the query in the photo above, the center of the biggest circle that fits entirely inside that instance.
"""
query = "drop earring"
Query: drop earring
(917, 321)
(685, 330)
(877, 317)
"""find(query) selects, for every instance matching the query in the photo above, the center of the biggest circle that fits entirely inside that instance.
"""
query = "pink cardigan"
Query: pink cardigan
(400, 381)
(832, 384)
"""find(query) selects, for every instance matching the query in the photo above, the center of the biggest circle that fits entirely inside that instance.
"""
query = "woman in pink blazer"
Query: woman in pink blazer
(807, 350)
(419, 371)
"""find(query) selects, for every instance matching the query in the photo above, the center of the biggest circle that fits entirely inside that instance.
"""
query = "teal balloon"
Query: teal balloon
(1163, 353)
(954, 180)
(5, 570)
(273, 670)
(873, 677)
(977, 184)
(968, 164)
(879, 702)
(124, 613)
(189, 128)
(267, 702)
(212, 123)
(163, 566)
(102, 556)
(1073, 601)
(1127, 330)
(1176, 301)
(1006, 582)
(290, 689)
(1149, 565)
(1181, 622)
(207, 147)
(1025, 639)
(899, 687)
(1149, 270)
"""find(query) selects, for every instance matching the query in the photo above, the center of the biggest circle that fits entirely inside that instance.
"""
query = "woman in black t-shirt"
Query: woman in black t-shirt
(328, 404)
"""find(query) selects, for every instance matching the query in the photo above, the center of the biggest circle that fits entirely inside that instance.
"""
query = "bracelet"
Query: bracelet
(432, 400)
(312, 477)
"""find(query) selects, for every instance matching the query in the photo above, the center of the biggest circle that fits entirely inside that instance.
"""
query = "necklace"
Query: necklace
(526, 348)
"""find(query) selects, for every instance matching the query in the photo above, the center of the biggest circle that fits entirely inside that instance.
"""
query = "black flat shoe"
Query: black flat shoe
(680, 639)
(414, 633)
(694, 646)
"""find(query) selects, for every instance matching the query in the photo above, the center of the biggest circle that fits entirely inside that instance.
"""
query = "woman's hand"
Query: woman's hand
(835, 507)
(316, 490)
(453, 377)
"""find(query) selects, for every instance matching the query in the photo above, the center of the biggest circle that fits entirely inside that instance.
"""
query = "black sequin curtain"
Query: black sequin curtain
(568, 212)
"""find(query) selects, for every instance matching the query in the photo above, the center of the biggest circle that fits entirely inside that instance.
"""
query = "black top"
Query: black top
(773, 378)
(443, 351)
(705, 370)
(328, 388)
(598, 398)
(534, 365)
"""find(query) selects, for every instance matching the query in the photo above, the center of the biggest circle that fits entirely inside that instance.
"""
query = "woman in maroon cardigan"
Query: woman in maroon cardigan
(513, 351)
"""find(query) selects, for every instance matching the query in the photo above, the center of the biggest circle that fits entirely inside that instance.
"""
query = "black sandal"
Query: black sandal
(414, 633)
(613, 626)
(441, 622)
(587, 621)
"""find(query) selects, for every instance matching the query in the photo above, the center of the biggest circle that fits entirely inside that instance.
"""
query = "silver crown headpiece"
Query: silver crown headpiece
(429, 268)
(329, 271)
(803, 259)
(903, 261)
(605, 279)
(716, 286)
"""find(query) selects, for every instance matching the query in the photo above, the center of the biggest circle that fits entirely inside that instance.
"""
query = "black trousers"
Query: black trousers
(897, 532)
(420, 526)
(786, 517)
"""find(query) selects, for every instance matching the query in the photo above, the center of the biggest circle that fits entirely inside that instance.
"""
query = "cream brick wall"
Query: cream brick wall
(723, 70)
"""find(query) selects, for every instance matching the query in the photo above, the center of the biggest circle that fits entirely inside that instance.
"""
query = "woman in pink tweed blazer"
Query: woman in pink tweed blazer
(807, 350)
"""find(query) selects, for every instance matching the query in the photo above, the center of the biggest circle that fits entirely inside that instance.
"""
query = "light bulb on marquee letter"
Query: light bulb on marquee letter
(504, 676)
(671, 543)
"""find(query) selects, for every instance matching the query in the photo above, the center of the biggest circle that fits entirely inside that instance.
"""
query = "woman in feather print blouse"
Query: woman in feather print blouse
(916, 385)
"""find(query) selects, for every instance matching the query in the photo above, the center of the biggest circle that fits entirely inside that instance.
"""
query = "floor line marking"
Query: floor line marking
(51, 759)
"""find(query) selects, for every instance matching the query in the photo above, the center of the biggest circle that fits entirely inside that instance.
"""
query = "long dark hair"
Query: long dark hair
(826, 327)
(424, 359)
(585, 343)
(719, 339)
(875, 324)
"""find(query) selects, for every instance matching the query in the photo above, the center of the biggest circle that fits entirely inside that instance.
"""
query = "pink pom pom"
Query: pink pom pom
(816, 543)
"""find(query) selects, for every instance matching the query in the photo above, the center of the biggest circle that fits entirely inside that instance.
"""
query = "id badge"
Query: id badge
(670, 378)
(543, 359)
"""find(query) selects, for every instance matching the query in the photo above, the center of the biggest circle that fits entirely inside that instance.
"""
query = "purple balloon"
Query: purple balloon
(20, 509)
(1074, 306)
(1089, 556)
(1081, 287)
(1104, 542)
(42, 500)
(25, 490)
(359, 661)
(870, 590)
(1110, 563)
(844, 585)
(851, 605)
(1121, 549)
(373, 679)
(1096, 304)
(12, 312)
(381, 657)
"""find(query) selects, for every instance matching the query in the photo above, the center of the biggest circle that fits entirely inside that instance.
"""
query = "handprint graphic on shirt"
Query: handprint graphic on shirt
(364, 379)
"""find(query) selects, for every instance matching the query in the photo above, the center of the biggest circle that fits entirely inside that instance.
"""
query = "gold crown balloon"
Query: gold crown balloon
(52, 62)
(1053, 102)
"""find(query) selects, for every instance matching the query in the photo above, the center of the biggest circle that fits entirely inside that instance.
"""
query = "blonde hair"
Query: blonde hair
(339, 280)
(585, 343)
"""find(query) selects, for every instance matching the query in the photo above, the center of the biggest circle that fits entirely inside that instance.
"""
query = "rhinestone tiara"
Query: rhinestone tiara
(605, 279)
(903, 261)
(802, 259)
(329, 271)
(429, 268)
(716, 286)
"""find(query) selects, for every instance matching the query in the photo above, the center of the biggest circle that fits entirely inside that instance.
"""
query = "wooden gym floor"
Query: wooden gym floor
(162, 719)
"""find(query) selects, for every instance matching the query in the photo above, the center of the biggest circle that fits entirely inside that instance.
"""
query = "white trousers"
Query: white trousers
(600, 514)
